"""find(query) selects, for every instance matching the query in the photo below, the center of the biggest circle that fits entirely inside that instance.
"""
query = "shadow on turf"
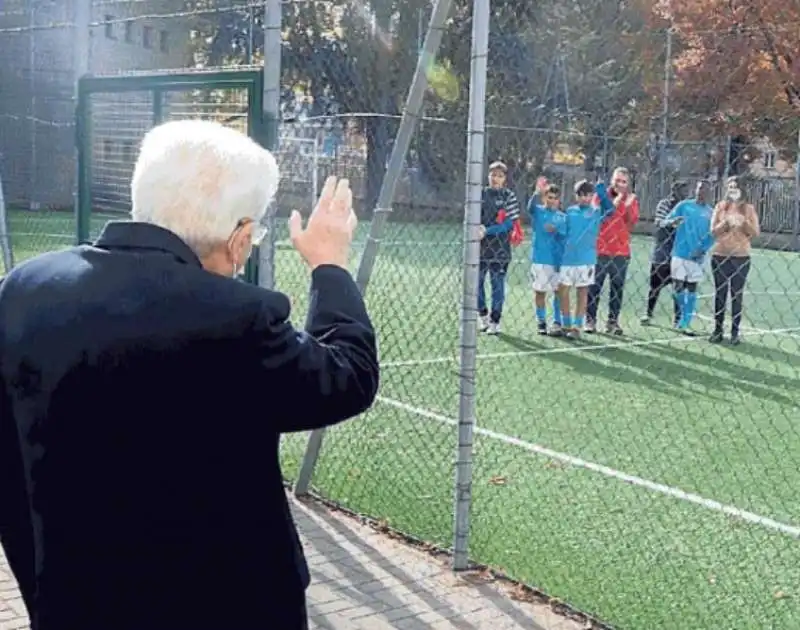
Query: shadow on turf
(674, 367)
(759, 383)
(591, 364)
(752, 348)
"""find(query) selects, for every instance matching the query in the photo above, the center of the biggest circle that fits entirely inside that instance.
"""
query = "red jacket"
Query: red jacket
(615, 233)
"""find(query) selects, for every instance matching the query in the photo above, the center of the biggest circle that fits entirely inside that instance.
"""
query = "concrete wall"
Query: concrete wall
(37, 78)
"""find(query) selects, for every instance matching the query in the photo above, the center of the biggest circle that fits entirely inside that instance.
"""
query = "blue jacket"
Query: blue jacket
(582, 228)
(547, 247)
(693, 236)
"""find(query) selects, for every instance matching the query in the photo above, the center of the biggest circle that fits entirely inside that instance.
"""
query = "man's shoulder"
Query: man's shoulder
(85, 274)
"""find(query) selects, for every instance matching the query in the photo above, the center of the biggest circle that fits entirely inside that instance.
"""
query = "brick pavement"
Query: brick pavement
(366, 580)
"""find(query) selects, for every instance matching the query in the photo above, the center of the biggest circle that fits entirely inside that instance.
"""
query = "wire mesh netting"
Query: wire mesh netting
(37, 125)
(118, 121)
(645, 475)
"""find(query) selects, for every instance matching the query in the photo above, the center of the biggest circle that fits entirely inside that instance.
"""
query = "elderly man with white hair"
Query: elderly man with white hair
(143, 392)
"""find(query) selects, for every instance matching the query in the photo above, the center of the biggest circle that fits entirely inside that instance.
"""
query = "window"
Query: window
(109, 27)
(147, 36)
(769, 159)
(129, 32)
(108, 149)
(163, 41)
(128, 152)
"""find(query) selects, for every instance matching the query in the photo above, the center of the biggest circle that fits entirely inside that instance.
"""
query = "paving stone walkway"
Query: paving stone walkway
(363, 579)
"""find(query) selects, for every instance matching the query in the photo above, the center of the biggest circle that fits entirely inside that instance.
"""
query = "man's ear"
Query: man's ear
(241, 244)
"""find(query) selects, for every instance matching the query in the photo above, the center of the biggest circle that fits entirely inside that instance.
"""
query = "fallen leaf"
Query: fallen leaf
(497, 480)
(781, 595)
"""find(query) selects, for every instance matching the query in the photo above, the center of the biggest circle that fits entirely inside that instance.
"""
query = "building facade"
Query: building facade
(37, 91)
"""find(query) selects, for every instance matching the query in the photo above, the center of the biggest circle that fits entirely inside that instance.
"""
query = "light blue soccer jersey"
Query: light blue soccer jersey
(693, 237)
(583, 227)
(547, 247)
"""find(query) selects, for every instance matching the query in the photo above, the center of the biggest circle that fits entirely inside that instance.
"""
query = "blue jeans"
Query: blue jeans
(497, 279)
(615, 268)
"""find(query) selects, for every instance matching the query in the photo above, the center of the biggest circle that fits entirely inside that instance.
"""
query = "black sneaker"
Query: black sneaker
(542, 328)
(716, 337)
(735, 339)
(613, 328)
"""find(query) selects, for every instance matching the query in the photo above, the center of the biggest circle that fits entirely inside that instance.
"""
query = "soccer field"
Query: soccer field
(652, 481)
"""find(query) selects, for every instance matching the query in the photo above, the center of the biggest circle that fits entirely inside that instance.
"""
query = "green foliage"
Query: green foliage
(361, 57)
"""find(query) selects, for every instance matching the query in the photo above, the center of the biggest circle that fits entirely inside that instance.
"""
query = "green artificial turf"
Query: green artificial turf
(718, 422)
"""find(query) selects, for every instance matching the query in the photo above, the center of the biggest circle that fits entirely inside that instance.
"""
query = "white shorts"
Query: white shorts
(544, 278)
(579, 276)
(684, 270)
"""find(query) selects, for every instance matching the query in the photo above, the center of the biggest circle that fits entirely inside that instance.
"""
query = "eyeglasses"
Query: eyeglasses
(259, 230)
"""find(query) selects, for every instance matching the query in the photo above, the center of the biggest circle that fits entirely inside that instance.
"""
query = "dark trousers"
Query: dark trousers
(615, 268)
(292, 615)
(659, 279)
(730, 277)
(497, 271)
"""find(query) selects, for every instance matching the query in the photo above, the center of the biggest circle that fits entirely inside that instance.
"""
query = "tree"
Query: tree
(737, 67)
(361, 57)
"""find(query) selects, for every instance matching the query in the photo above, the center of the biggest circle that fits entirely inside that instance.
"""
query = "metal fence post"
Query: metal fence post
(796, 216)
(408, 124)
(662, 189)
(5, 238)
(726, 171)
(481, 16)
(273, 21)
(81, 41)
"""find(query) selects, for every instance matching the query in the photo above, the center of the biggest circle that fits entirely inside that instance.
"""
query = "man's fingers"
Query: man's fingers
(342, 199)
(352, 221)
(295, 225)
(327, 195)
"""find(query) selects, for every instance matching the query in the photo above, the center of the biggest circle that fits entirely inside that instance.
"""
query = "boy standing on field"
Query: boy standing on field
(582, 224)
(693, 239)
(499, 212)
(546, 251)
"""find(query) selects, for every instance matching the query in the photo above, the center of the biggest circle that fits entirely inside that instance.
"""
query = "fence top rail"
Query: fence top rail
(241, 76)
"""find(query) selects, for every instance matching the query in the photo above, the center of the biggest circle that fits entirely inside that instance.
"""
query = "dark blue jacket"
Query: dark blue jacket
(142, 400)
(496, 245)
(664, 235)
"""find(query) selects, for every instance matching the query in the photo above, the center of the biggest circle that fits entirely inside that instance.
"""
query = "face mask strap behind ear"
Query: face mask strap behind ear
(237, 269)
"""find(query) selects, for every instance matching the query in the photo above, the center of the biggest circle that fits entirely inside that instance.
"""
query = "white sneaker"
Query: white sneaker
(494, 329)
(483, 323)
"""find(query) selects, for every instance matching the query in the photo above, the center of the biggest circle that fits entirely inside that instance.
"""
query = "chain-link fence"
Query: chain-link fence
(641, 474)
(46, 46)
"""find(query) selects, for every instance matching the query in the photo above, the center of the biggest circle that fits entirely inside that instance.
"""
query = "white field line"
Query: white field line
(565, 349)
(783, 332)
(676, 493)
(793, 332)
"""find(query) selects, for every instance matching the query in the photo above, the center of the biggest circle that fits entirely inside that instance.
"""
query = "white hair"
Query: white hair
(199, 179)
